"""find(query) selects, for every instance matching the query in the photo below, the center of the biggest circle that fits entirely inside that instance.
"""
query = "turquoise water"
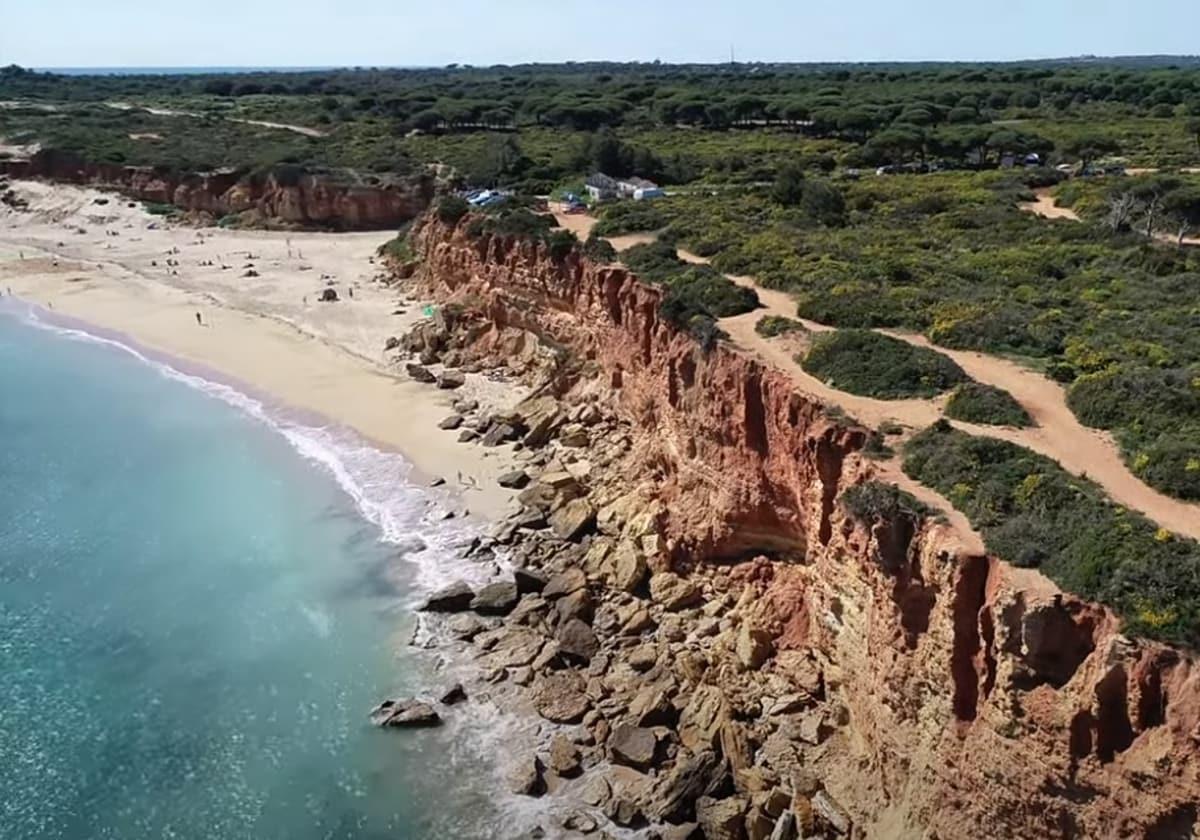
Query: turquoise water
(199, 604)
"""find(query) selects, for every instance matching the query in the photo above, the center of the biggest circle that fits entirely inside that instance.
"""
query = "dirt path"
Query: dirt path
(1059, 434)
(166, 112)
(1045, 207)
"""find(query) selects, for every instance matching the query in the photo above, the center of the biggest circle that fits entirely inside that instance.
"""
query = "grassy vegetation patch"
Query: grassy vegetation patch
(877, 500)
(974, 402)
(695, 289)
(629, 217)
(770, 326)
(873, 365)
(1032, 513)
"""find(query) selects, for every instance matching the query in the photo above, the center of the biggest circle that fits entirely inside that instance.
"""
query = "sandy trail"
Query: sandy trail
(167, 112)
(107, 265)
(1059, 434)
(1045, 207)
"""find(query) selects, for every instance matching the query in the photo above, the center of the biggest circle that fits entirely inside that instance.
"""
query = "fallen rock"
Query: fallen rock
(674, 592)
(831, 812)
(565, 759)
(465, 626)
(573, 520)
(692, 777)
(753, 647)
(633, 746)
(563, 584)
(451, 423)
(498, 434)
(722, 819)
(451, 379)
(420, 373)
(785, 827)
(514, 480)
(526, 779)
(577, 641)
(456, 597)
(495, 599)
(629, 567)
(528, 580)
(454, 694)
(405, 713)
(560, 698)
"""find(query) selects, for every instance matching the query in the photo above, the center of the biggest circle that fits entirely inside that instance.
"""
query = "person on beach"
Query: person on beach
(199, 320)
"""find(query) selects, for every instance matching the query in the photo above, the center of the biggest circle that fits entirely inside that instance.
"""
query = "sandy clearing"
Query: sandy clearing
(266, 332)
(1045, 206)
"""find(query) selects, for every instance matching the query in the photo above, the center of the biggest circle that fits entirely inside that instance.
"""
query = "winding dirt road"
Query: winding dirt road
(1058, 435)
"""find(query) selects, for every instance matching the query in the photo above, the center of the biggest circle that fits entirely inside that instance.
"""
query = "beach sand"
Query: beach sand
(106, 264)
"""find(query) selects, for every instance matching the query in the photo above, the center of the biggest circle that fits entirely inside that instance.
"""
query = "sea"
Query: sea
(201, 598)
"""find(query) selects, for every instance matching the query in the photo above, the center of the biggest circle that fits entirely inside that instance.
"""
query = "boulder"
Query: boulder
(560, 698)
(633, 746)
(674, 592)
(515, 480)
(465, 626)
(453, 695)
(406, 713)
(456, 597)
(629, 567)
(496, 598)
(526, 778)
(753, 647)
(832, 812)
(328, 295)
(570, 580)
(465, 406)
(576, 605)
(499, 433)
(451, 379)
(391, 344)
(451, 423)
(528, 580)
(722, 819)
(692, 777)
(573, 520)
(785, 827)
(565, 759)
(420, 373)
(577, 641)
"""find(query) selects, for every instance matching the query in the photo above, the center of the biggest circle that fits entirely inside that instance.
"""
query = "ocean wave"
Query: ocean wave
(378, 482)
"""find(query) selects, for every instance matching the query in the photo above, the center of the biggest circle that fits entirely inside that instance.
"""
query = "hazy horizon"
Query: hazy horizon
(374, 33)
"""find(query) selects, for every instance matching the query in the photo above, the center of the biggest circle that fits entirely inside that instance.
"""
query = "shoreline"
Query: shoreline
(252, 339)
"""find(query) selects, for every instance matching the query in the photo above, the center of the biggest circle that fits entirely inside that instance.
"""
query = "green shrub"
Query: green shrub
(873, 501)
(560, 243)
(451, 209)
(770, 326)
(874, 365)
(973, 402)
(156, 208)
(598, 249)
(1033, 513)
(629, 217)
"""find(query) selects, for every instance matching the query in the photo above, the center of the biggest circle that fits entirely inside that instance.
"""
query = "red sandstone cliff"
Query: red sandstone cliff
(304, 200)
(975, 700)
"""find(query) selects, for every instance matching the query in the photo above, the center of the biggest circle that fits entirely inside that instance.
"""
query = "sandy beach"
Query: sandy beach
(103, 260)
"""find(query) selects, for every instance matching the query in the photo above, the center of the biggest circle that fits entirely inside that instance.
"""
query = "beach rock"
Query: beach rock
(437, 482)
(574, 436)
(577, 641)
(456, 597)
(569, 581)
(674, 592)
(560, 697)
(451, 423)
(722, 819)
(391, 344)
(420, 373)
(514, 480)
(596, 793)
(526, 779)
(692, 777)
(753, 647)
(498, 434)
(455, 694)
(573, 520)
(451, 379)
(633, 746)
(832, 812)
(530, 518)
(565, 759)
(629, 567)
(683, 831)
(405, 713)
(328, 295)
(465, 626)
(495, 599)
(576, 605)
(528, 580)
(468, 436)
(785, 827)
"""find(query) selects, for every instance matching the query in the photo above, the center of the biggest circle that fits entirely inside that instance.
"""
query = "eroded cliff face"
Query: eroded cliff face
(305, 201)
(963, 698)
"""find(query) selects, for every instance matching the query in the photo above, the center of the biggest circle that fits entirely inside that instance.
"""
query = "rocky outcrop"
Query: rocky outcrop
(933, 691)
(285, 197)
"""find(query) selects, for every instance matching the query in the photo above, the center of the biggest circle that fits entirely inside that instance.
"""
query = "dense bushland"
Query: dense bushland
(874, 365)
(1032, 513)
(974, 402)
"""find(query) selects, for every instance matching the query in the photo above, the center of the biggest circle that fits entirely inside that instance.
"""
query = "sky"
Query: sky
(317, 33)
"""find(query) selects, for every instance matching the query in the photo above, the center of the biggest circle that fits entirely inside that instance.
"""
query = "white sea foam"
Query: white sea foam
(378, 482)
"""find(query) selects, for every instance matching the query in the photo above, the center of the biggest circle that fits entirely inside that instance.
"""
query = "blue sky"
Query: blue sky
(99, 33)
